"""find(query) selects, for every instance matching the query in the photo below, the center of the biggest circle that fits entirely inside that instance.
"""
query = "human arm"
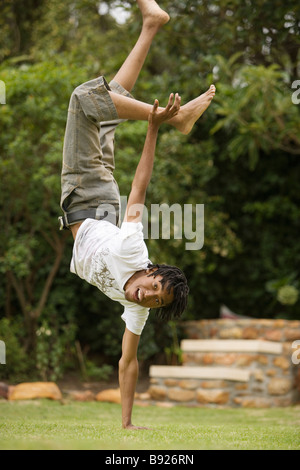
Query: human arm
(128, 374)
(144, 169)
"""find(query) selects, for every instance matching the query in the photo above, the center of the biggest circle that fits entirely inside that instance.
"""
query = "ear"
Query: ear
(150, 270)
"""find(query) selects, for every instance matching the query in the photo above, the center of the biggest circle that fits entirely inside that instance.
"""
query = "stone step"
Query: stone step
(195, 372)
(231, 345)
(241, 363)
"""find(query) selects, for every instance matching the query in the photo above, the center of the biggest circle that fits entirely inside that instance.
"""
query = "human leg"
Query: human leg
(86, 179)
(153, 18)
(92, 119)
(183, 121)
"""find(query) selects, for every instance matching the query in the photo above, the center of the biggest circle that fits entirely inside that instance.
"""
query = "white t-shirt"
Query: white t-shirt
(106, 256)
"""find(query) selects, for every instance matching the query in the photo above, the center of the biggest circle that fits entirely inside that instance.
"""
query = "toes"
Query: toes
(211, 91)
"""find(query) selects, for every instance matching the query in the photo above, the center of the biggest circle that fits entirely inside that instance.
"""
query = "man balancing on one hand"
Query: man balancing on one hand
(107, 254)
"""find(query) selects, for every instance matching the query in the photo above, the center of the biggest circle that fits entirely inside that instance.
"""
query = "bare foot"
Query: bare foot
(191, 112)
(153, 15)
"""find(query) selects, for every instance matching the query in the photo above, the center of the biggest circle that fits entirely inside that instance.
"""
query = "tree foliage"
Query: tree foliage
(241, 160)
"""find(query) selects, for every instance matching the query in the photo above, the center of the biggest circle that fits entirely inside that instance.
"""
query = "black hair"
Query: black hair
(172, 278)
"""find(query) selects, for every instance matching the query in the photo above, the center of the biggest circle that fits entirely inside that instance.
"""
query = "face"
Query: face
(147, 291)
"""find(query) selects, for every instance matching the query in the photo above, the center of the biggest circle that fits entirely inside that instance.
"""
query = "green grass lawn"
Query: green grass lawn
(44, 424)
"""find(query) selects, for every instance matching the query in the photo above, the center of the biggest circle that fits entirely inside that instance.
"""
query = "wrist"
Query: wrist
(126, 425)
(153, 127)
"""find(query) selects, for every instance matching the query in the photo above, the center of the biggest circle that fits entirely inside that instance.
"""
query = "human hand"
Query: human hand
(159, 115)
(132, 427)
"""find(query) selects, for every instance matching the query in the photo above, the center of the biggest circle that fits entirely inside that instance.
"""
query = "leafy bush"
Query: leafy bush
(53, 350)
(18, 363)
(241, 161)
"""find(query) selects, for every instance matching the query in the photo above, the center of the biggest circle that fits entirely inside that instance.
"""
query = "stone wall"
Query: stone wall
(233, 363)
(284, 331)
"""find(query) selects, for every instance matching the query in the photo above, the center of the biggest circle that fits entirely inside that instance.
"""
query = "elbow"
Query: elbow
(127, 364)
(122, 365)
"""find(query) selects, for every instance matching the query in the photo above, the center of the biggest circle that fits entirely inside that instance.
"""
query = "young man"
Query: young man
(116, 259)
